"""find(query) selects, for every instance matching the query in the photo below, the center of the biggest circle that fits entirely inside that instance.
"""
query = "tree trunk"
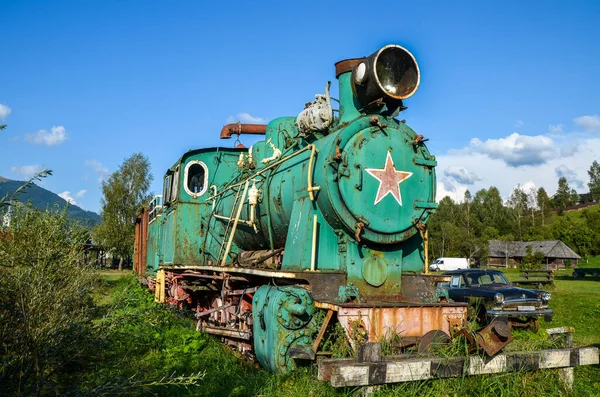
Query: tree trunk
(120, 263)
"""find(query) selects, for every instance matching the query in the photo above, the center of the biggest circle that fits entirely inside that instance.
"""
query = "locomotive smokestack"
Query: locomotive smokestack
(388, 76)
(349, 105)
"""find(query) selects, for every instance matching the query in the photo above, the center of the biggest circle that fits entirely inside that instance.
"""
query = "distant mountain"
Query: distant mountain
(42, 198)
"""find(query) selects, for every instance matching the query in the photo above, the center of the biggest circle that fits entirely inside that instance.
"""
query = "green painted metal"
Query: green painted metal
(284, 326)
(349, 105)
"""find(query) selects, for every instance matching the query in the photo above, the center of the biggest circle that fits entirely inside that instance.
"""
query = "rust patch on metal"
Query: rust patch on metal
(408, 321)
(494, 337)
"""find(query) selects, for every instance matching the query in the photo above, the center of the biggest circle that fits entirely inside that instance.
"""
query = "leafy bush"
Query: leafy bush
(568, 263)
(45, 306)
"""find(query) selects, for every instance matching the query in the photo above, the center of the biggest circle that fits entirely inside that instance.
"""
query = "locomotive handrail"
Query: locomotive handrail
(310, 186)
(259, 172)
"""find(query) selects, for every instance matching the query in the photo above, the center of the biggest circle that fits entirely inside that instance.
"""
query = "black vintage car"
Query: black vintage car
(491, 296)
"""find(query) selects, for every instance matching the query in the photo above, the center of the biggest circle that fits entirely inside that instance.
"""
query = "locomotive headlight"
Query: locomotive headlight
(391, 74)
(499, 298)
(361, 73)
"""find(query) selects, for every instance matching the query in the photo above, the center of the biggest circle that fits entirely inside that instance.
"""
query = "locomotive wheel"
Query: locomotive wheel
(433, 341)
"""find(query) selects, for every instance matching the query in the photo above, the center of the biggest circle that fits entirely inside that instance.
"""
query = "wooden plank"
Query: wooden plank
(317, 341)
(533, 281)
(368, 352)
(345, 373)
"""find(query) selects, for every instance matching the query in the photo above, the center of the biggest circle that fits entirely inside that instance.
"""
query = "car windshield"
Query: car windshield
(478, 279)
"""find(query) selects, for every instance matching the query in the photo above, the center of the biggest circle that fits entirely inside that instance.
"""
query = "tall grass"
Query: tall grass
(143, 338)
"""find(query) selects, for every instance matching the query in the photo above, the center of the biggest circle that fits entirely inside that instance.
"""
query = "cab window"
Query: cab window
(167, 188)
(196, 178)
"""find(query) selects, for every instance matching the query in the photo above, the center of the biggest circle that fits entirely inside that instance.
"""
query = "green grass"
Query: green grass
(592, 261)
(143, 341)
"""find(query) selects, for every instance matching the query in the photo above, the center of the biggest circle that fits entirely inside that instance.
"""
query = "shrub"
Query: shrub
(45, 306)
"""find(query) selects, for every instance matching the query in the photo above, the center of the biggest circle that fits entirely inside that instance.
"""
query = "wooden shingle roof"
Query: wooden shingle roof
(512, 249)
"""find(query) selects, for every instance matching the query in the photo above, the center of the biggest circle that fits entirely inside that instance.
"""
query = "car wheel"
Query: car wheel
(575, 275)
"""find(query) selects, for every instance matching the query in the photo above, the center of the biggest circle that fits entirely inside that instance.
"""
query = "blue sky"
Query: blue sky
(509, 90)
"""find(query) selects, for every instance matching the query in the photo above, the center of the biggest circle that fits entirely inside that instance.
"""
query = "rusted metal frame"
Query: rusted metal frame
(211, 311)
(321, 333)
(349, 372)
(209, 277)
(231, 269)
(243, 291)
(227, 332)
(268, 256)
(136, 257)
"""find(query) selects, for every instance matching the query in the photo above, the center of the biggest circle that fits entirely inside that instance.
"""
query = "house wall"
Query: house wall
(501, 262)
(547, 264)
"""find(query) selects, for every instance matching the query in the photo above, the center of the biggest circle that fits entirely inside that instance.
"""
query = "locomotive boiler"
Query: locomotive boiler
(322, 221)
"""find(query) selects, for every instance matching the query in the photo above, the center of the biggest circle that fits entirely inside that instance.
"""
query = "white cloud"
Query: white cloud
(517, 150)
(80, 193)
(100, 170)
(528, 186)
(461, 175)
(449, 187)
(496, 172)
(4, 111)
(590, 123)
(556, 128)
(27, 171)
(571, 175)
(245, 118)
(67, 196)
(57, 135)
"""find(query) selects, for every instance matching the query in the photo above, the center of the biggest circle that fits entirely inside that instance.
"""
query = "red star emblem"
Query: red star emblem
(389, 179)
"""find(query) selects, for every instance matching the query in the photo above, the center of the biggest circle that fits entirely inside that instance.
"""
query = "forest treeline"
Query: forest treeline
(463, 229)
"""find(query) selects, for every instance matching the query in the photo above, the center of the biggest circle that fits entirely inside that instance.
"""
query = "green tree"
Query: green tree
(594, 183)
(562, 198)
(489, 210)
(544, 204)
(441, 227)
(576, 234)
(518, 203)
(125, 192)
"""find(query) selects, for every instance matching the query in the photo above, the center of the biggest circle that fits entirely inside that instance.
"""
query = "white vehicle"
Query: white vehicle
(445, 264)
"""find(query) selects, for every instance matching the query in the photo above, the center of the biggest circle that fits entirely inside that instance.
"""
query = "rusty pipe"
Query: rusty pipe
(239, 129)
